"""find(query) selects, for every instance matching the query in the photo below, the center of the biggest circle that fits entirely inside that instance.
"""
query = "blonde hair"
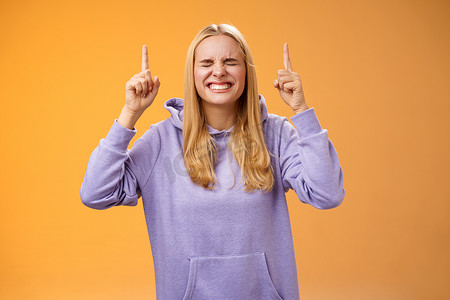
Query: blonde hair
(246, 141)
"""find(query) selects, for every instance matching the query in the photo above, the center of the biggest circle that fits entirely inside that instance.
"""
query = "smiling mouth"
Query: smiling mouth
(219, 87)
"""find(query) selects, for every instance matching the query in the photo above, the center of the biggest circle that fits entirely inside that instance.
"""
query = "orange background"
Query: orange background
(377, 73)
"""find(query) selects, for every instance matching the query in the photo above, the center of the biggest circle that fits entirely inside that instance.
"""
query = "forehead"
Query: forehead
(218, 46)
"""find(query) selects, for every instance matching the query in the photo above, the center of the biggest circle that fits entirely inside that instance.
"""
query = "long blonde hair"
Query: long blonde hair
(246, 141)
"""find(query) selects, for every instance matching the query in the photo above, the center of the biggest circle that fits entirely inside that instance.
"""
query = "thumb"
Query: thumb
(275, 84)
(156, 83)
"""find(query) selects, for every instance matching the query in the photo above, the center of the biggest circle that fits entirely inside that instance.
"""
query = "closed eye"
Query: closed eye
(231, 61)
(206, 62)
(228, 61)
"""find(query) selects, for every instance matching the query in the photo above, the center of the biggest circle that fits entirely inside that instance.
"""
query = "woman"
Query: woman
(211, 238)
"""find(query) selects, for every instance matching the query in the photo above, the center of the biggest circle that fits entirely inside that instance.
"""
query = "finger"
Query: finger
(280, 84)
(281, 80)
(289, 86)
(156, 84)
(284, 73)
(144, 58)
(275, 83)
(148, 78)
(144, 84)
(138, 87)
(287, 60)
(285, 80)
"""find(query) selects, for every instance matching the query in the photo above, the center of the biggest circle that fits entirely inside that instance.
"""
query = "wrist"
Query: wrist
(300, 109)
(128, 119)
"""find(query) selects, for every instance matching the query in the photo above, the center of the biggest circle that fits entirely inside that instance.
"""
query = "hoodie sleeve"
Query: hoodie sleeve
(309, 162)
(115, 174)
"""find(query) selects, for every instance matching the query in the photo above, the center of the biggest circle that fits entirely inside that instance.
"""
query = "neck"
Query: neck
(220, 117)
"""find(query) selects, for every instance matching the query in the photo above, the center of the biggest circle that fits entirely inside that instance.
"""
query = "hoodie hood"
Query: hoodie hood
(176, 108)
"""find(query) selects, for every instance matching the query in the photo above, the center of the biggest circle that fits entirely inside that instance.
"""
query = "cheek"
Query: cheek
(197, 81)
(243, 77)
(240, 77)
(198, 78)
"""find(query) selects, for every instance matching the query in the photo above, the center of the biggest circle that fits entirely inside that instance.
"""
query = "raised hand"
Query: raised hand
(289, 85)
(141, 89)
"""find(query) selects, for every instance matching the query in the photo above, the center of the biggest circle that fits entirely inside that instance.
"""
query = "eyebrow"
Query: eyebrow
(206, 60)
(230, 59)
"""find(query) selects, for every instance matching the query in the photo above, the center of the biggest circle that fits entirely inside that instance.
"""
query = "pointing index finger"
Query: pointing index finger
(287, 60)
(144, 58)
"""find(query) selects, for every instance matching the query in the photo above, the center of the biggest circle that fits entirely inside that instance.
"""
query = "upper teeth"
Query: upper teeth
(220, 86)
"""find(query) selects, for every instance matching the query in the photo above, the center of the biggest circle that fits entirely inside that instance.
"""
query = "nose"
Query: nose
(219, 70)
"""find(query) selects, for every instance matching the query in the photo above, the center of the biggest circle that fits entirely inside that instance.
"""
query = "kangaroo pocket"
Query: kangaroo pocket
(243, 276)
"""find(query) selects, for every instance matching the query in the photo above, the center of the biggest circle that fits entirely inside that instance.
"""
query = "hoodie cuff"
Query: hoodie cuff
(306, 123)
(119, 137)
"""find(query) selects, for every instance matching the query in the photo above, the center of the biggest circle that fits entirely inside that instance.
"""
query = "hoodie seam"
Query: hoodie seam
(156, 160)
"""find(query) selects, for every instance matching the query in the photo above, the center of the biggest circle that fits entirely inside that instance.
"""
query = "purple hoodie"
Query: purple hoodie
(222, 243)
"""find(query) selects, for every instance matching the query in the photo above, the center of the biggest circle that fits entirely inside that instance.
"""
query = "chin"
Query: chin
(220, 100)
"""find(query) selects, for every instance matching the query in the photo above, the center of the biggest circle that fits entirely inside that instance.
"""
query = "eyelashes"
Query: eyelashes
(209, 65)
